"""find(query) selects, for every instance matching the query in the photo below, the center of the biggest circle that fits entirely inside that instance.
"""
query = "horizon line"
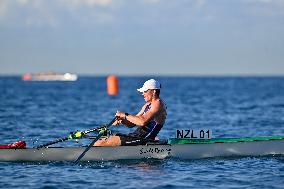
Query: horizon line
(158, 75)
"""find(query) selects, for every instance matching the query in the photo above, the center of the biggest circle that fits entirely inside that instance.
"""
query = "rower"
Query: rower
(149, 120)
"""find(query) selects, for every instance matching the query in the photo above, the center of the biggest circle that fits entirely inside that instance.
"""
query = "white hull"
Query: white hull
(180, 151)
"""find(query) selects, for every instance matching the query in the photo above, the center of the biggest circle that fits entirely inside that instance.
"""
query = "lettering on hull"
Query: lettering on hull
(155, 150)
(194, 134)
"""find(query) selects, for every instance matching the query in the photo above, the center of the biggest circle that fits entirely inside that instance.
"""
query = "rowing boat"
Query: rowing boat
(173, 148)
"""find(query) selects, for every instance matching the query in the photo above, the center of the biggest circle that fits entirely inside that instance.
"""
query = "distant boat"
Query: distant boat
(49, 76)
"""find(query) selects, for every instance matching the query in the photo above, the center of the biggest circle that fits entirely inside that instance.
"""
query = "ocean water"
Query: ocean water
(38, 112)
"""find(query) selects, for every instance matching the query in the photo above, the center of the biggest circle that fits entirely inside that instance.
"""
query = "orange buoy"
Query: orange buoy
(112, 85)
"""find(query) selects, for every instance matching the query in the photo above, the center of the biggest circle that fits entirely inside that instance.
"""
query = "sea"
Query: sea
(38, 112)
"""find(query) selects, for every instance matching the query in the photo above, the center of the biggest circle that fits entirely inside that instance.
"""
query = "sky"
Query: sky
(142, 37)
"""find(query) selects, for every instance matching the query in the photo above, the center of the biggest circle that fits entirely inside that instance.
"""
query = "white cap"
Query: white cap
(150, 84)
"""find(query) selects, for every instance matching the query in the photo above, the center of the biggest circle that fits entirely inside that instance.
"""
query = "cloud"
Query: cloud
(53, 13)
(266, 8)
(24, 2)
(40, 14)
(78, 3)
(3, 8)
(89, 3)
(200, 3)
(151, 1)
(272, 3)
(29, 12)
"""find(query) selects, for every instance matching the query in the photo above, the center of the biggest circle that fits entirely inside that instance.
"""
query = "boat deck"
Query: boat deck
(222, 140)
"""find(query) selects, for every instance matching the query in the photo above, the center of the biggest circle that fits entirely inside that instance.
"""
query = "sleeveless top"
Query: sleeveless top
(149, 131)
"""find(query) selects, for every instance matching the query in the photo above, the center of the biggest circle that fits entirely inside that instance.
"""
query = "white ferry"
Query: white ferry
(49, 76)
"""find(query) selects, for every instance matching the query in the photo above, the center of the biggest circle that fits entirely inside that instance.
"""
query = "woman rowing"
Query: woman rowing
(149, 120)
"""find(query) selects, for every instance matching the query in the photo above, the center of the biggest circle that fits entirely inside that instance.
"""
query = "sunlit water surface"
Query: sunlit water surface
(38, 112)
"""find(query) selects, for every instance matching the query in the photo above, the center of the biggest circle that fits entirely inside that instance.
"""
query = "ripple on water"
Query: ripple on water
(230, 106)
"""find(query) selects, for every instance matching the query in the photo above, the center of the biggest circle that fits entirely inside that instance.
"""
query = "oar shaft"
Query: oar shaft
(65, 138)
(52, 142)
(87, 149)
(94, 141)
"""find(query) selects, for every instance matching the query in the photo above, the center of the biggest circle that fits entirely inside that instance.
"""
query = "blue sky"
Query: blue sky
(142, 37)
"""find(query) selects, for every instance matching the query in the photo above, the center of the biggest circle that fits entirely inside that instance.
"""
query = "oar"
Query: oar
(95, 140)
(71, 136)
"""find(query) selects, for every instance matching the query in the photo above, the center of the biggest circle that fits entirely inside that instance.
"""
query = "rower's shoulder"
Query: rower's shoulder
(158, 102)
(163, 104)
(161, 101)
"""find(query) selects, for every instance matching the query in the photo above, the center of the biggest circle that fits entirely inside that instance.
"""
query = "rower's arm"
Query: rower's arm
(123, 120)
(128, 122)
(143, 119)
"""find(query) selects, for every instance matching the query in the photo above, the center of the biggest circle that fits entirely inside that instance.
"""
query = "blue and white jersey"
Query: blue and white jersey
(149, 131)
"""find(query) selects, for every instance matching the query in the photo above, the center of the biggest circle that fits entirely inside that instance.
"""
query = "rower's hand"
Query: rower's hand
(119, 115)
(117, 122)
